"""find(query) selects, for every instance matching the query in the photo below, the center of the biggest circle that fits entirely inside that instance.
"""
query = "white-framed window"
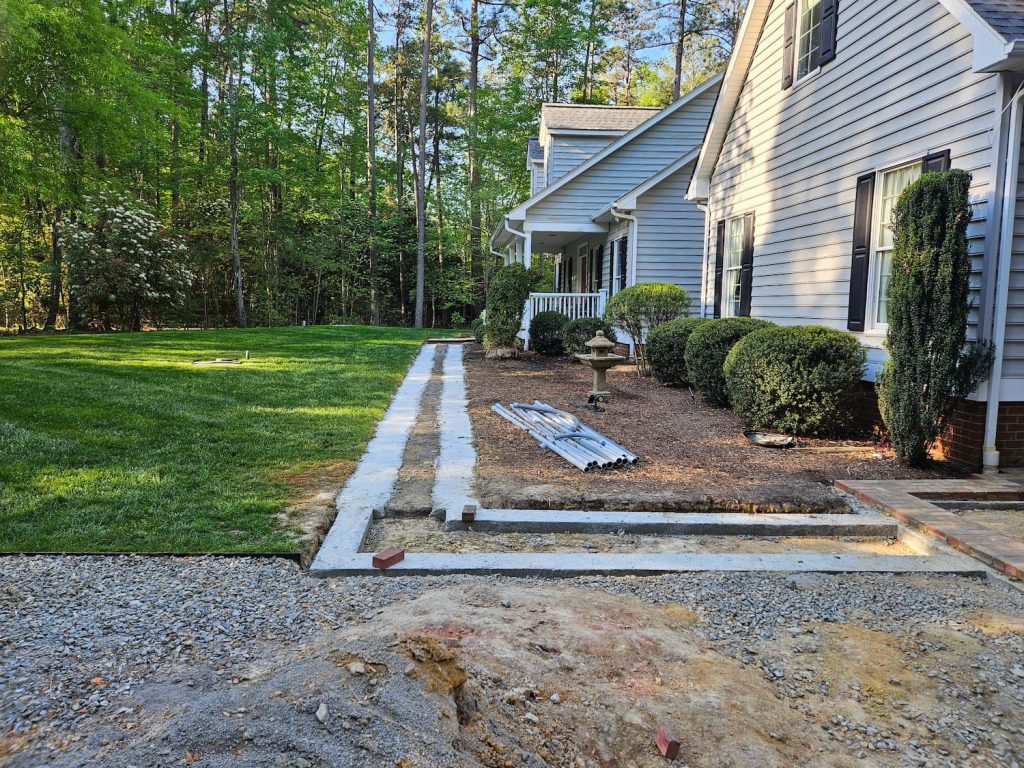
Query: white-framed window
(889, 185)
(731, 265)
(808, 37)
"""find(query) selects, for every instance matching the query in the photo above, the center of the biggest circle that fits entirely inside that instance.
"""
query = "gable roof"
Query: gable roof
(534, 151)
(519, 211)
(591, 117)
(997, 27)
(628, 201)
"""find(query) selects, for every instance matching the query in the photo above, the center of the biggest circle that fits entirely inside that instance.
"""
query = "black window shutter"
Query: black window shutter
(719, 265)
(861, 252)
(937, 162)
(789, 47)
(829, 27)
(599, 268)
(746, 264)
(623, 262)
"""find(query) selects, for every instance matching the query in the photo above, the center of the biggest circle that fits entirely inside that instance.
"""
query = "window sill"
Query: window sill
(810, 76)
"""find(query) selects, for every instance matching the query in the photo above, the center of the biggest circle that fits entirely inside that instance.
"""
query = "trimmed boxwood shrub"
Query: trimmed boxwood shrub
(799, 379)
(706, 350)
(546, 332)
(577, 333)
(640, 308)
(478, 330)
(505, 298)
(666, 346)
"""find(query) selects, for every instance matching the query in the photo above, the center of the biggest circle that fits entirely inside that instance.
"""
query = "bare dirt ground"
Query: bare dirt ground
(151, 662)
(693, 456)
(425, 534)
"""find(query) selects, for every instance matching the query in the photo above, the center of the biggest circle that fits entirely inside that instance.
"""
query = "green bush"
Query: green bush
(546, 332)
(639, 309)
(930, 364)
(706, 350)
(577, 333)
(478, 330)
(505, 298)
(666, 345)
(799, 379)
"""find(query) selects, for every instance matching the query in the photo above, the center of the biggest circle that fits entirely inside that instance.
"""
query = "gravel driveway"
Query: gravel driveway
(135, 661)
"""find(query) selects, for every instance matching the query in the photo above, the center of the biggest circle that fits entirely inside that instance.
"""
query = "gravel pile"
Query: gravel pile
(84, 639)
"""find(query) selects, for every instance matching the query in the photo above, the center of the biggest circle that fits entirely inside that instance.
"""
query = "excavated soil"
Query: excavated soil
(693, 456)
(425, 534)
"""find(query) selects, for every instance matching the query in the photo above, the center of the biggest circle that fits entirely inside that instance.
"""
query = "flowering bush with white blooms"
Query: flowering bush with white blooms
(123, 269)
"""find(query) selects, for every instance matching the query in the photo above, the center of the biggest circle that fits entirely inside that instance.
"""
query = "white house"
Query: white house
(608, 199)
(828, 110)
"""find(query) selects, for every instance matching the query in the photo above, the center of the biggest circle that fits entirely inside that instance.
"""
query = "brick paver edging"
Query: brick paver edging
(908, 501)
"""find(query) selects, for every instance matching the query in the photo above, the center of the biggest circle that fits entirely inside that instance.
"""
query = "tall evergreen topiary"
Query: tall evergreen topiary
(505, 299)
(930, 364)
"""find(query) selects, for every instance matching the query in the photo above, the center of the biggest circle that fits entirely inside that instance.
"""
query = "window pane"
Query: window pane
(884, 273)
(731, 264)
(893, 184)
(808, 37)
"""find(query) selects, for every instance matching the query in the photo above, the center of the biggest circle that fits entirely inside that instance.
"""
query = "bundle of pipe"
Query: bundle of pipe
(566, 435)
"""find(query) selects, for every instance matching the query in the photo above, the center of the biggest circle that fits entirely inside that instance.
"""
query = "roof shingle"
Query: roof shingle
(584, 117)
(1004, 16)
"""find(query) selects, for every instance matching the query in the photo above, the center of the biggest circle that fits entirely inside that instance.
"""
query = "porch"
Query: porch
(572, 305)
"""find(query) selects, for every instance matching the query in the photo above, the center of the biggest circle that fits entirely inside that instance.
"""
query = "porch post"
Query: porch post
(528, 250)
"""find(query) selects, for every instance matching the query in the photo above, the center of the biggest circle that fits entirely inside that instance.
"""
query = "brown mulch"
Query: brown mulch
(692, 455)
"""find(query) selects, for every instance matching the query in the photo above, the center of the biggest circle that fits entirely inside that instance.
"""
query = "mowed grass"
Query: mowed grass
(117, 443)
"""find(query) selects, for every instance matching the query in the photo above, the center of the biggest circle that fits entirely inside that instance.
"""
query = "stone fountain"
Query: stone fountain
(600, 360)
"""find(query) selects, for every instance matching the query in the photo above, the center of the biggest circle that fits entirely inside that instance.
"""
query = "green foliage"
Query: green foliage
(640, 308)
(930, 364)
(122, 268)
(478, 330)
(546, 332)
(800, 379)
(577, 333)
(505, 298)
(666, 347)
(706, 350)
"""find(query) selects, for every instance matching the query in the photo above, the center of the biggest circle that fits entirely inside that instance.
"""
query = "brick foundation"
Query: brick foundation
(965, 434)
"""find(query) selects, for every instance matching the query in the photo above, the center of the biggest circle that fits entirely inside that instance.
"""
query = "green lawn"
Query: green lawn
(119, 443)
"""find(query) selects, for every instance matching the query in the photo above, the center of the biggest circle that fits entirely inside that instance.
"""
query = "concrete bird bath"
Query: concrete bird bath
(600, 360)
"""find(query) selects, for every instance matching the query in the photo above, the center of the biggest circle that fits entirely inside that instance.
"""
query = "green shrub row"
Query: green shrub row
(552, 333)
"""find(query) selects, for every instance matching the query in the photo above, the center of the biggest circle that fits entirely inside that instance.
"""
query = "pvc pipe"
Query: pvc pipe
(989, 453)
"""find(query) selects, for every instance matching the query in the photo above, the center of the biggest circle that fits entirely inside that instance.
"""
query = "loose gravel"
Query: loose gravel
(119, 661)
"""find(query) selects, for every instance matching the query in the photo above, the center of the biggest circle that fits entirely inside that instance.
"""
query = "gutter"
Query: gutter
(706, 208)
(990, 456)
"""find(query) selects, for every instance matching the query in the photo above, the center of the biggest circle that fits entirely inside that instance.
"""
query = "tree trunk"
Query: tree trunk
(677, 81)
(371, 164)
(56, 272)
(236, 256)
(475, 217)
(421, 164)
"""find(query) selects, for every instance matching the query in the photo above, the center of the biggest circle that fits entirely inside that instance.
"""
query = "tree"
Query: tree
(931, 365)
(421, 164)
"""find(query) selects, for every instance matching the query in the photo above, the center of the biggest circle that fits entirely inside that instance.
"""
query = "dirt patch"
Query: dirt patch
(424, 534)
(312, 510)
(693, 456)
(415, 482)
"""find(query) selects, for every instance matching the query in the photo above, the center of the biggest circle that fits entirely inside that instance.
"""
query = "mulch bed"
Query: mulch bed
(693, 456)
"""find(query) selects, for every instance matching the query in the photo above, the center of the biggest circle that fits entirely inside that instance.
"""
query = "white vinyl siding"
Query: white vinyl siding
(1013, 352)
(630, 165)
(670, 230)
(902, 87)
(566, 152)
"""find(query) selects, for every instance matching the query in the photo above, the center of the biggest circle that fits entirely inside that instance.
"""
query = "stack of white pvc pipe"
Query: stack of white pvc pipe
(566, 435)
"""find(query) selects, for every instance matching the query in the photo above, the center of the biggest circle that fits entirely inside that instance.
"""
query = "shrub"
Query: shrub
(640, 308)
(799, 379)
(478, 330)
(577, 333)
(930, 364)
(706, 350)
(505, 298)
(666, 345)
(546, 332)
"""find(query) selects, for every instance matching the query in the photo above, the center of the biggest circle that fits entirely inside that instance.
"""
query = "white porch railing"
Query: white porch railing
(572, 305)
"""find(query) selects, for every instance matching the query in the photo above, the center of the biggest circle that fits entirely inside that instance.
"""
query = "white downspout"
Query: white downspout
(706, 208)
(990, 456)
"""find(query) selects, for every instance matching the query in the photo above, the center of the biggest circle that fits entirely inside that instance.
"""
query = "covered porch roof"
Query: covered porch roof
(543, 236)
